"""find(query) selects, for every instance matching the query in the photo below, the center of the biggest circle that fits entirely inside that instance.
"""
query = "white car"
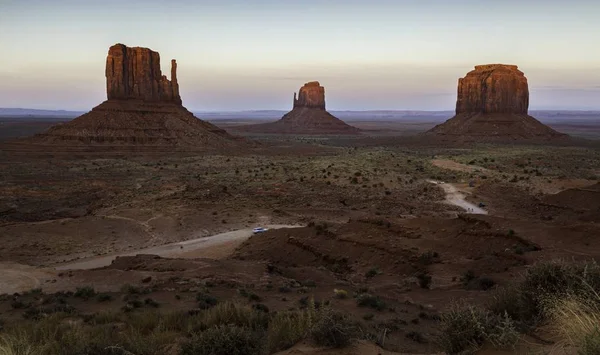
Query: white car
(259, 230)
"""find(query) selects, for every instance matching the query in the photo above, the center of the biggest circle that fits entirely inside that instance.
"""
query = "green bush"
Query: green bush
(225, 340)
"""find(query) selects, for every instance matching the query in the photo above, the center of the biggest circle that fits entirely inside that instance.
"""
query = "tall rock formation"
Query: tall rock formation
(308, 116)
(493, 88)
(143, 107)
(134, 73)
(492, 105)
(311, 95)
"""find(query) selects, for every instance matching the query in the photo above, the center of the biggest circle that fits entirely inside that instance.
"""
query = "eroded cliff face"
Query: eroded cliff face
(134, 73)
(493, 88)
(311, 95)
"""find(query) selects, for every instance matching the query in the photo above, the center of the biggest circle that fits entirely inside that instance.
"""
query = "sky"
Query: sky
(254, 54)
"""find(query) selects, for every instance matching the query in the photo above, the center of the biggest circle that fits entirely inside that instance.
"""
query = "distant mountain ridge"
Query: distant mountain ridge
(16, 112)
(276, 114)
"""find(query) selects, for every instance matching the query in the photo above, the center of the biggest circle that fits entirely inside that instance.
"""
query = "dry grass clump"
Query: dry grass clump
(227, 328)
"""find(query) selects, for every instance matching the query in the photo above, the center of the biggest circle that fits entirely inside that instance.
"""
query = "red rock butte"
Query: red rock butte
(308, 116)
(134, 73)
(143, 107)
(492, 105)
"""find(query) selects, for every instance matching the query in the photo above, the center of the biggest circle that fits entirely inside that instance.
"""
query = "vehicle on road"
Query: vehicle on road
(259, 230)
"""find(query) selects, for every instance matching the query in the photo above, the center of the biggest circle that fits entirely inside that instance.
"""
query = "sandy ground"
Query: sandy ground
(17, 277)
(457, 198)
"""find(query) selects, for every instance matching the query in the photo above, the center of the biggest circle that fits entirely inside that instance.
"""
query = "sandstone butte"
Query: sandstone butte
(143, 107)
(308, 116)
(492, 105)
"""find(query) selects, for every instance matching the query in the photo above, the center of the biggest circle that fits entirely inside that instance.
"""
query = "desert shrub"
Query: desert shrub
(134, 290)
(224, 340)
(428, 258)
(502, 332)
(288, 328)
(260, 307)
(309, 283)
(340, 294)
(465, 328)
(576, 322)
(235, 314)
(480, 283)
(17, 345)
(38, 313)
(85, 292)
(424, 280)
(467, 277)
(333, 329)
(249, 295)
(206, 301)
(462, 329)
(151, 303)
(103, 297)
(369, 316)
(284, 289)
(368, 300)
(416, 337)
(558, 278)
(372, 272)
(512, 301)
(19, 304)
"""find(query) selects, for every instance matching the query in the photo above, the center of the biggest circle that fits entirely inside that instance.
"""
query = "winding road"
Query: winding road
(457, 198)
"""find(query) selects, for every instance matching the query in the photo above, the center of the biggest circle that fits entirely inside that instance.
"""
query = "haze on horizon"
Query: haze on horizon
(249, 55)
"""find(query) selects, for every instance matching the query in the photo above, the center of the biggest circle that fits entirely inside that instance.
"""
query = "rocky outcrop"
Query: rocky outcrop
(492, 105)
(143, 109)
(493, 88)
(308, 116)
(311, 95)
(134, 73)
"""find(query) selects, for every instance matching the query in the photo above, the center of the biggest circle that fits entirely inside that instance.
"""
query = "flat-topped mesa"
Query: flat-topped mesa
(134, 73)
(493, 88)
(311, 95)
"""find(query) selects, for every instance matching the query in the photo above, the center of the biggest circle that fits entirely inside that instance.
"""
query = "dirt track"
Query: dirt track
(189, 249)
(456, 198)
(17, 277)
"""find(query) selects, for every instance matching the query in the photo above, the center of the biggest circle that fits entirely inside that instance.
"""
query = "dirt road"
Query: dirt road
(457, 198)
(189, 249)
(18, 278)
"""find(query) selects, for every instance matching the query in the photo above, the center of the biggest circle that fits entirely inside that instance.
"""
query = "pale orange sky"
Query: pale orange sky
(236, 55)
